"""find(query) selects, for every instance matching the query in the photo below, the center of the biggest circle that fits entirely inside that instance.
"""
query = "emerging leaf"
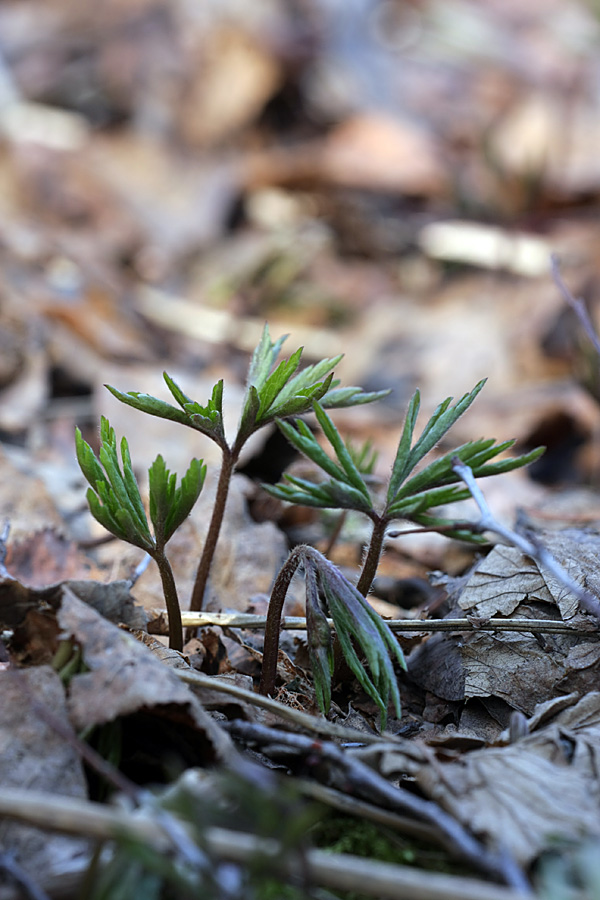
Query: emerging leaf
(278, 391)
(170, 505)
(320, 646)
(346, 488)
(358, 624)
(114, 498)
(206, 419)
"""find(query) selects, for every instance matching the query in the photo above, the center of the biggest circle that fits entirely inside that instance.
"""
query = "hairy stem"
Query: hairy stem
(171, 599)
(373, 555)
(272, 625)
(203, 571)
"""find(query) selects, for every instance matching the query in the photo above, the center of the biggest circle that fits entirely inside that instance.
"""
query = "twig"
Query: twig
(363, 810)
(364, 782)
(313, 724)
(298, 623)
(338, 872)
(528, 545)
(12, 868)
(186, 849)
(576, 303)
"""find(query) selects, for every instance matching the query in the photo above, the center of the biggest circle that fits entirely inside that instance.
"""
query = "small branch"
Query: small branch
(312, 724)
(530, 546)
(214, 529)
(20, 877)
(361, 809)
(362, 781)
(272, 625)
(373, 556)
(336, 871)
(410, 626)
(576, 303)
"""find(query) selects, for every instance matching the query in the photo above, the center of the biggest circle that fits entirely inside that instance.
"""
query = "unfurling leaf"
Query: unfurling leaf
(276, 391)
(360, 628)
(320, 645)
(206, 419)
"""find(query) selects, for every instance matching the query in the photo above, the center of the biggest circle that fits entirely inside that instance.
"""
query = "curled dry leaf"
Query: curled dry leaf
(521, 669)
(33, 754)
(526, 796)
(124, 678)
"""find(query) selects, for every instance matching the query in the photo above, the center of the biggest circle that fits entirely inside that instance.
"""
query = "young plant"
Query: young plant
(277, 392)
(115, 501)
(411, 495)
(273, 392)
(356, 624)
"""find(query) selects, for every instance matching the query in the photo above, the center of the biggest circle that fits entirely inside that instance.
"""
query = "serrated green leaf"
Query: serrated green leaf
(305, 442)
(508, 465)
(110, 462)
(178, 394)
(324, 495)
(353, 476)
(133, 491)
(309, 377)
(102, 515)
(89, 465)
(249, 415)
(169, 504)
(408, 507)
(400, 469)
(441, 421)
(185, 496)
(302, 401)
(275, 383)
(150, 405)
(363, 457)
(341, 398)
(158, 483)
(217, 398)
(263, 358)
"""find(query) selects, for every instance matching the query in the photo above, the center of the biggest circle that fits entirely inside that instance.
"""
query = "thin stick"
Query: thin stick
(411, 626)
(364, 782)
(576, 303)
(339, 872)
(528, 545)
(313, 724)
(20, 877)
(363, 810)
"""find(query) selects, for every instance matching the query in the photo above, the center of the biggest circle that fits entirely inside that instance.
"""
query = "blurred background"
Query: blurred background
(384, 178)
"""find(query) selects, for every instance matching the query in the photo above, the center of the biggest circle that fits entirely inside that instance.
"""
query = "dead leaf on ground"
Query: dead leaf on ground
(528, 795)
(33, 755)
(520, 668)
(124, 678)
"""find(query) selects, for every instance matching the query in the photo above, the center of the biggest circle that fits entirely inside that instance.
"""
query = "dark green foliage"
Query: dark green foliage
(280, 391)
(114, 496)
(407, 497)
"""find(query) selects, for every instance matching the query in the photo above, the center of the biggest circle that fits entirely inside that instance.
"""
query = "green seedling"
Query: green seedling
(282, 392)
(411, 493)
(115, 501)
(273, 392)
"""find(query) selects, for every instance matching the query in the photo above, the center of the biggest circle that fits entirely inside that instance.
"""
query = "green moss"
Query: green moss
(346, 834)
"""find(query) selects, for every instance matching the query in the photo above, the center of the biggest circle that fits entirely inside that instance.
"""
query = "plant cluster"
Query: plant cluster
(284, 393)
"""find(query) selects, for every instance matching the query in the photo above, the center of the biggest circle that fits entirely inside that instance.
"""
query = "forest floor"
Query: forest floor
(384, 180)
